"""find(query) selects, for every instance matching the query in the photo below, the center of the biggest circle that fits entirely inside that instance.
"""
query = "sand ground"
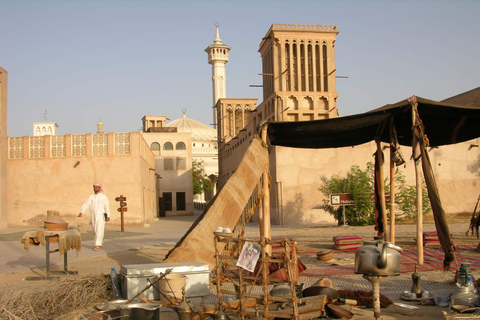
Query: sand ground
(309, 239)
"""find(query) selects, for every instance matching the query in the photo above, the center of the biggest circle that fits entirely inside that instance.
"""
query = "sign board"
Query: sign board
(122, 209)
(345, 199)
(123, 204)
(121, 198)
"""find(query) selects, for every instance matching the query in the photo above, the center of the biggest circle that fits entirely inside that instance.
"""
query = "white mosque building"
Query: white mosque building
(204, 149)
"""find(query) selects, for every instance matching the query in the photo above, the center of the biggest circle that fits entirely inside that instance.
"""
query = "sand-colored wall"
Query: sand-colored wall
(3, 148)
(296, 177)
(63, 183)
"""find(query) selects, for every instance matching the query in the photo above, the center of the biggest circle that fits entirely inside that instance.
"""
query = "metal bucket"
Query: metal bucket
(171, 286)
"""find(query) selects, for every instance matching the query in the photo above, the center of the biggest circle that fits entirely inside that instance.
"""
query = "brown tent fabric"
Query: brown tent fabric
(198, 245)
(378, 207)
(444, 123)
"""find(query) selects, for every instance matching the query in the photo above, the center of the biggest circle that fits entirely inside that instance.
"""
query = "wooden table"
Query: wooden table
(68, 239)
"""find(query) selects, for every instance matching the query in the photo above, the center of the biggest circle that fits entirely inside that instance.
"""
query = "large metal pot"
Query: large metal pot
(378, 258)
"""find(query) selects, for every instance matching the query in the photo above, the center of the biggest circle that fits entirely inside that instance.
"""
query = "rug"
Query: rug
(433, 259)
(343, 263)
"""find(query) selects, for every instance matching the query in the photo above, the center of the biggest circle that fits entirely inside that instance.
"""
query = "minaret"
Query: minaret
(218, 57)
(100, 127)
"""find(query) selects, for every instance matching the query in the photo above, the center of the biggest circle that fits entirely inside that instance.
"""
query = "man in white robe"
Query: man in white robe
(99, 212)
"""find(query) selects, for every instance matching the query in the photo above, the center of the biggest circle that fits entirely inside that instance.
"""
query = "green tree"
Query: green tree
(200, 181)
(359, 184)
(406, 197)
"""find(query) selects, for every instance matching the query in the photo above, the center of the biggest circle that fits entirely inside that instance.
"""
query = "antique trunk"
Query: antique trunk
(135, 277)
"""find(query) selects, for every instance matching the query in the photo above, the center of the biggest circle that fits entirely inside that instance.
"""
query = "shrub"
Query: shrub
(359, 184)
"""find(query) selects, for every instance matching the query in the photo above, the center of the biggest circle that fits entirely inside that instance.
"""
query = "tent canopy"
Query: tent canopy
(444, 124)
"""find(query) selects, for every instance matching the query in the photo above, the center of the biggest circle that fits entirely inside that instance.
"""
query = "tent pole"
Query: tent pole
(261, 223)
(418, 180)
(266, 198)
(381, 191)
(392, 188)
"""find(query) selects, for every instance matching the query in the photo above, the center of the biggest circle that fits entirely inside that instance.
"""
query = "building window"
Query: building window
(168, 146)
(155, 148)
(181, 163)
(168, 164)
(180, 146)
(167, 196)
(181, 203)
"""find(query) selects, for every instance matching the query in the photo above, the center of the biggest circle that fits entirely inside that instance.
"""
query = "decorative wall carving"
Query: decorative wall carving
(122, 143)
(99, 144)
(37, 147)
(57, 146)
(15, 148)
(79, 145)
(181, 163)
(167, 164)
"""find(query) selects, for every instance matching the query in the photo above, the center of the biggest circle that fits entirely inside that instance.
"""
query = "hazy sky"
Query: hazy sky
(116, 61)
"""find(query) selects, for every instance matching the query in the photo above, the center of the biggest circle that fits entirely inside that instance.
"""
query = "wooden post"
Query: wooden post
(122, 209)
(392, 188)
(381, 190)
(266, 199)
(266, 211)
(260, 210)
(418, 179)
(121, 214)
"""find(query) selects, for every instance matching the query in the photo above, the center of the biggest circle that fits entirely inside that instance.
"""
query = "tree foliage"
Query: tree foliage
(406, 197)
(359, 184)
(200, 181)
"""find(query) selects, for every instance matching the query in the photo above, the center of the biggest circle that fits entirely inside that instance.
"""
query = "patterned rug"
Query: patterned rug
(344, 261)
(433, 259)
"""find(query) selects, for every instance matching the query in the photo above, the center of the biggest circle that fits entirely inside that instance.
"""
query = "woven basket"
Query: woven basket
(51, 226)
(325, 255)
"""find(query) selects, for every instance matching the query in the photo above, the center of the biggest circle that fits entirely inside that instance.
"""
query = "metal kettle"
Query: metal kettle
(378, 258)
(183, 310)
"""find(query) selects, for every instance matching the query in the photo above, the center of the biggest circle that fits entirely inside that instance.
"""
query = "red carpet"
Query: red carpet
(433, 261)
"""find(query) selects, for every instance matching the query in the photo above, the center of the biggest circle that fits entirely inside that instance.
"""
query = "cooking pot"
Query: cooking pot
(378, 258)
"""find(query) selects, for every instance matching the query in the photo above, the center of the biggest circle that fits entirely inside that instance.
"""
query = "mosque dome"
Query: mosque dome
(199, 131)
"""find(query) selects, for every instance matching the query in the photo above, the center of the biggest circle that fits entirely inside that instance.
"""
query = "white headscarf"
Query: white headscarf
(99, 185)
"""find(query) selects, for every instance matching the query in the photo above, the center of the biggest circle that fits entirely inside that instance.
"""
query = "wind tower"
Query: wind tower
(298, 62)
(218, 57)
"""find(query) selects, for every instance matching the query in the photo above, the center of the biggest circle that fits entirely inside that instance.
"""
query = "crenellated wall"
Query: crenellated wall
(57, 173)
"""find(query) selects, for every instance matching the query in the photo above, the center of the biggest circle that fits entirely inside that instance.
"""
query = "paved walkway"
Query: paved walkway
(166, 231)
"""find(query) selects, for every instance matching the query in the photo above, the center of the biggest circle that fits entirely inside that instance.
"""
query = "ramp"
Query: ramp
(225, 211)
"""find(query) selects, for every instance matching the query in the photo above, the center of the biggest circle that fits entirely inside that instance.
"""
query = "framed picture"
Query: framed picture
(249, 256)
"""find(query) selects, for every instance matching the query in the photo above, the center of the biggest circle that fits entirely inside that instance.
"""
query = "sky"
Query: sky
(80, 62)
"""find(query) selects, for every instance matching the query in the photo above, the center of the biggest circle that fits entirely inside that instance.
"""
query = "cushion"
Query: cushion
(347, 239)
(347, 246)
